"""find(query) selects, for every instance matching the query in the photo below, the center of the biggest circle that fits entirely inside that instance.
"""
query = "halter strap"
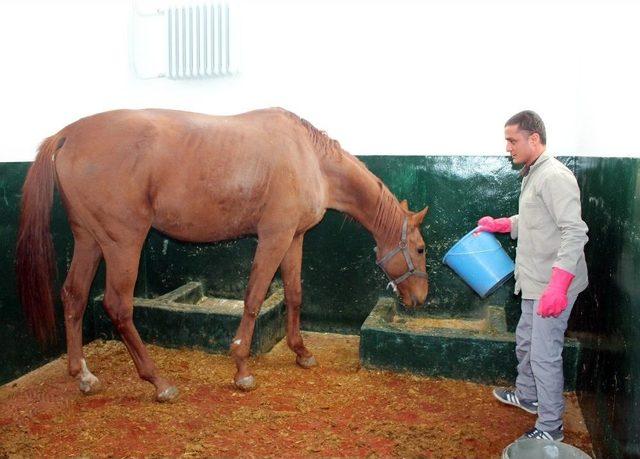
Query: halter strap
(402, 247)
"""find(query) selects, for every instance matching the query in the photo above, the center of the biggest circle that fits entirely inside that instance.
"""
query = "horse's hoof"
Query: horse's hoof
(90, 385)
(306, 362)
(246, 384)
(167, 395)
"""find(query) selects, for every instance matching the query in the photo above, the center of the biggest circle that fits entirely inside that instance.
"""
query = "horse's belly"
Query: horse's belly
(201, 228)
(201, 217)
(207, 200)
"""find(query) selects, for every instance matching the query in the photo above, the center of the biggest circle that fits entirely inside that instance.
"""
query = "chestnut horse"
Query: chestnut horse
(197, 178)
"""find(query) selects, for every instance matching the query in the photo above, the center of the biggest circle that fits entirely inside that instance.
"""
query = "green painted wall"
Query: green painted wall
(609, 312)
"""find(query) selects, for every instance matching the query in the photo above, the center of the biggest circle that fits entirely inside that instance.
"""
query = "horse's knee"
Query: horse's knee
(253, 300)
(118, 311)
(240, 348)
(293, 296)
(122, 320)
(252, 309)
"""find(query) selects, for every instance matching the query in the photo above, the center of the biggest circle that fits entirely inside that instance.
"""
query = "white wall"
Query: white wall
(393, 77)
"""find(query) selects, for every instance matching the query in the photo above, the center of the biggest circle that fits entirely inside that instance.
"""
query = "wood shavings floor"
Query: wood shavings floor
(336, 409)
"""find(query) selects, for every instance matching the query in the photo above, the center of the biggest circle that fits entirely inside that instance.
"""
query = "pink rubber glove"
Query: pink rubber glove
(494, 225)
(554, 298)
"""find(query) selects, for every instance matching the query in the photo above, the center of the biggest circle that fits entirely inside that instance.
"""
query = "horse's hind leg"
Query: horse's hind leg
(122, 271)
(75, 292)
(290, 269)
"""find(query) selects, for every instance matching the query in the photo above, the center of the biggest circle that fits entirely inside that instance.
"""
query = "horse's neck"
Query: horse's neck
(355, 191)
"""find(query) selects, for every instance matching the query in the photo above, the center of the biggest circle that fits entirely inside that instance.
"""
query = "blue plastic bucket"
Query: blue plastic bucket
(481, 262)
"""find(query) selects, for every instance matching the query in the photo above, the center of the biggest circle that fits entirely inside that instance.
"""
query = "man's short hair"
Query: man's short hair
(530, 121)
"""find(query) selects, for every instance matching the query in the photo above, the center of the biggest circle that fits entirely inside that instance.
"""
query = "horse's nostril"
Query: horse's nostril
(414, 301)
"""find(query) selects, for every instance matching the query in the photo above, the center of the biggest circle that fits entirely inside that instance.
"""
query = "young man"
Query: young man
(550, 271)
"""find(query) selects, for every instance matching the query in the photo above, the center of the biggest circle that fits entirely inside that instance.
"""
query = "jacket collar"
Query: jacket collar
(537, 163)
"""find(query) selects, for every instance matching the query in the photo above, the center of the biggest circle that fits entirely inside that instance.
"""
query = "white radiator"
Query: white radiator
(183, 41)
(198, 41)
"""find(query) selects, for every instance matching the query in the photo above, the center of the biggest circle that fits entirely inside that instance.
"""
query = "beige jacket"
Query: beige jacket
(549, 228)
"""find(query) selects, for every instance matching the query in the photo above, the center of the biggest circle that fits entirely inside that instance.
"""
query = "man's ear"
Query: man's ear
(404, 204)
(419, 217)
(534, 138)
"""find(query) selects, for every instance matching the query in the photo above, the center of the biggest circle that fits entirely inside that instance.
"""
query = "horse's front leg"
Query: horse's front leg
(269, 254)
(290, 269)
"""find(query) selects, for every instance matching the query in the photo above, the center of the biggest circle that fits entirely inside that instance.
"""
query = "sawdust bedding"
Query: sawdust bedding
(334, 410)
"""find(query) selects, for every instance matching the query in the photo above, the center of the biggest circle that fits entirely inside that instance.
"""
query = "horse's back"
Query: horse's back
(159, 133)
(185, 172)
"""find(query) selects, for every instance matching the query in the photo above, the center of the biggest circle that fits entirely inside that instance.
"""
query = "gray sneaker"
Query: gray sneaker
(509, 397)
(551, 435)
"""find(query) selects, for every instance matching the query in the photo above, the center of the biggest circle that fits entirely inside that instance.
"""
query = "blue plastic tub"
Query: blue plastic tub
(481, 262)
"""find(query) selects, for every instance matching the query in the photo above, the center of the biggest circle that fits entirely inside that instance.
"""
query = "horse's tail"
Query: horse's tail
(35, 257)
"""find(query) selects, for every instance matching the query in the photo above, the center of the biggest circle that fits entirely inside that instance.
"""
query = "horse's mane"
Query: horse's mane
(389, 214)
(320, 140)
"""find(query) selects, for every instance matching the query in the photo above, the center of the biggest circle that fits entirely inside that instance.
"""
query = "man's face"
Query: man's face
(519, 144)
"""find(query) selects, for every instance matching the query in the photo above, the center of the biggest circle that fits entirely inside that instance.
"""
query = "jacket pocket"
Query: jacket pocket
(533, 215)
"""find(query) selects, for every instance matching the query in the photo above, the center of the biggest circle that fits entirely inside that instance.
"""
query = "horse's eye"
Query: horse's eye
(420, 250)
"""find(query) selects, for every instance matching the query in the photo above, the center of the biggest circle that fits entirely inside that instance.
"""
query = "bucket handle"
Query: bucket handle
(473, 253)
(473, 233)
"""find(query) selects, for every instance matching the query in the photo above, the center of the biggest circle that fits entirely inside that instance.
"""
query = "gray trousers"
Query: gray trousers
(539, 344)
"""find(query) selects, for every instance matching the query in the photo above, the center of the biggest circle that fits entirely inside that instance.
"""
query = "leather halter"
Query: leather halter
(402, 247)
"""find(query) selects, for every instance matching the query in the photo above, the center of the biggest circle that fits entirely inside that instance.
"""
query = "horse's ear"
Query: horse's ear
(418, 217)
(404, 204)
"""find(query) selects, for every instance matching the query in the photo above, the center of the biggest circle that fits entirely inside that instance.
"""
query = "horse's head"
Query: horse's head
(404, 261)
